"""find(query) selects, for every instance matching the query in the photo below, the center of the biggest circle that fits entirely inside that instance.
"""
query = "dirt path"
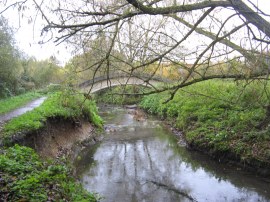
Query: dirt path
(17, 112)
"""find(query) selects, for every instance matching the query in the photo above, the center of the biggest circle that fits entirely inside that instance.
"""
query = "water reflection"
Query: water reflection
(145, 164)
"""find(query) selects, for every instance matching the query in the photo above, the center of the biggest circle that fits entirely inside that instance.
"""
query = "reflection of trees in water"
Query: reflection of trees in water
(149, 168)
(146, 150)
(137, 168)
(125, 159)
(112, 160)
(84, 160)
(136, 164)
(220, 171)
(140, 166)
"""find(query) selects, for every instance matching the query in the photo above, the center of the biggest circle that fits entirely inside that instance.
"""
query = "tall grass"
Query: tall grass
(24, 176)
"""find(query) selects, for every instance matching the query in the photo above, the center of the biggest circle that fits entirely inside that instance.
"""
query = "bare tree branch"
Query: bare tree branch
(238, 5)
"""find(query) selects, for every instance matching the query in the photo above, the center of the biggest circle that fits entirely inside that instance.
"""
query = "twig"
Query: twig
(172, 189)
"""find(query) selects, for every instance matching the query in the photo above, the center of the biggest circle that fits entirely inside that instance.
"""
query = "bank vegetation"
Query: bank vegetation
(25, 176)
(228, 120)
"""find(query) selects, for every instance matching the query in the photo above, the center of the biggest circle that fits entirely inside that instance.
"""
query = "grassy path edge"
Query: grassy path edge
(11, 103)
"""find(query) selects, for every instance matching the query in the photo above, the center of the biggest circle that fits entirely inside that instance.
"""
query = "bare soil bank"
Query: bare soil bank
(59, 136)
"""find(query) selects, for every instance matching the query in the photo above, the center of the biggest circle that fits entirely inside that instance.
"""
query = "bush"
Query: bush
(51, 88)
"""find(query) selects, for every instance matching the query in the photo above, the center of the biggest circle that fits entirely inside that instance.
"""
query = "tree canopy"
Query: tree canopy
(19, 73)
(201, 39)
(8, 60)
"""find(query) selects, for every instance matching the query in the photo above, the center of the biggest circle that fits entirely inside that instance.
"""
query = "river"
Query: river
(143, 161)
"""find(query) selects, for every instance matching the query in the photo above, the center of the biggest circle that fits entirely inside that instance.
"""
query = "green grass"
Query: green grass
(11, 103)
(220, 117)
(24, 177)
(66, 105)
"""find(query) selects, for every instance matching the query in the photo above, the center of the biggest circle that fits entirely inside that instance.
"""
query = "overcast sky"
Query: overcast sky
(28, 36)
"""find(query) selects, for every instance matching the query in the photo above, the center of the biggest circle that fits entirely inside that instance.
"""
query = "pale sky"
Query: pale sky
(28, 36)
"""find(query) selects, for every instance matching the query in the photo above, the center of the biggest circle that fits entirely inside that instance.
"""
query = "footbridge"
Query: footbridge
(111, 80)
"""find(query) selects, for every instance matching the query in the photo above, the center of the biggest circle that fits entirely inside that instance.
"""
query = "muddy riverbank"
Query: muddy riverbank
(59, 137)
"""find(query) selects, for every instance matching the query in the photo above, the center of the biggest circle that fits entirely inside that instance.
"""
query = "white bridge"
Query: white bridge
(103, 82)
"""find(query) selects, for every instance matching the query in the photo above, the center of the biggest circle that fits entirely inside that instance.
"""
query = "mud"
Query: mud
(59, 137)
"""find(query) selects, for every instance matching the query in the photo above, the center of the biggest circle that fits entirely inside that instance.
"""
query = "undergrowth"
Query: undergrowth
(65, 105)
(220, 117)
(116, 95)
(24, 177)
(11, 103)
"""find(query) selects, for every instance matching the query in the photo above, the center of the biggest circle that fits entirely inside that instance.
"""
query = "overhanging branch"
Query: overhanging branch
(178, 8)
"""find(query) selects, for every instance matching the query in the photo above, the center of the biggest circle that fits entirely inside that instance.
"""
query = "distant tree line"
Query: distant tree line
(19, 73)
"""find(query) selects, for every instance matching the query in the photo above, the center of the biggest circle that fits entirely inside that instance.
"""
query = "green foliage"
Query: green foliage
(41, 73)
(66, 105)
(9, 61)
(113, 95)
(53, 88)
(24, 177)
(19, 75)
(219, 115)
(14, 102)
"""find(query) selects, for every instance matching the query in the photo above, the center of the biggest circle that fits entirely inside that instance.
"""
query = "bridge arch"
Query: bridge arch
(103, 82)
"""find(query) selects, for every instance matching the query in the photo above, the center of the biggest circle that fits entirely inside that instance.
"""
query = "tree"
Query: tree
(41, 73)
(9, 61)
(213, 33)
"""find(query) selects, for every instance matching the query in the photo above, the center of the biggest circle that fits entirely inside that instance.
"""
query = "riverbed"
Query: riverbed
(144, 161)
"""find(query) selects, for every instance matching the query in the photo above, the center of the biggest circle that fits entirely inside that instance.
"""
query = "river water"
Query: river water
(142, 161)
